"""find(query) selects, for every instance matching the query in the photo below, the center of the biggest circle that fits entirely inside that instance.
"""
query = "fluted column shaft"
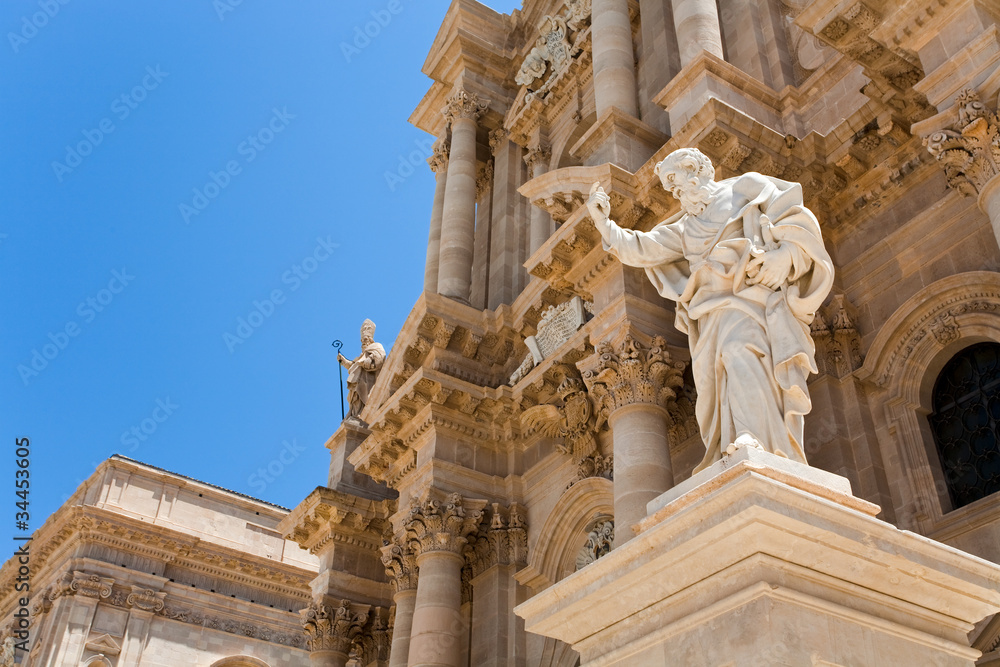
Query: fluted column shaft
(634, 384)
(540, 224)
(403, 628)
(435, 638)
(328, 659)
(458, 220)
(439, 165)
(697, 26)
(614, 62)
(642, 463)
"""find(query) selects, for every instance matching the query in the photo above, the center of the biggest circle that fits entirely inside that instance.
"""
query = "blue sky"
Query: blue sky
(195, 206)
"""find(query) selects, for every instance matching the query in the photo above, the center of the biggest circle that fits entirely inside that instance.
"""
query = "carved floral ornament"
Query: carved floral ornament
(632, 373)
(464, 104)
(599, 543)
(504, 542)
(571, 417)
(969, 151)
(441, 526)
(400, 566)
(333, 628)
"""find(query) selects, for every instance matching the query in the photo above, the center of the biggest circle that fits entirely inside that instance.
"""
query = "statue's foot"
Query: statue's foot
(743, 440)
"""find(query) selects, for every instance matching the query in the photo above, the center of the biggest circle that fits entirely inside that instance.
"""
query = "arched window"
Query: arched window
(965, 421)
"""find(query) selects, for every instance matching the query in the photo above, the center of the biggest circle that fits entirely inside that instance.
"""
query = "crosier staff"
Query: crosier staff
(340, 375)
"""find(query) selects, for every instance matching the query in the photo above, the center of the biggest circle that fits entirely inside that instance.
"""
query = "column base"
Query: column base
(758, 560)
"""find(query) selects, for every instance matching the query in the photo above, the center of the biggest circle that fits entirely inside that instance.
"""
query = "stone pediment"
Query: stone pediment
(104, 644)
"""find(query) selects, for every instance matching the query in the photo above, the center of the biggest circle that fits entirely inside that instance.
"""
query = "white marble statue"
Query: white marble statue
(362, 371)
(745, 262)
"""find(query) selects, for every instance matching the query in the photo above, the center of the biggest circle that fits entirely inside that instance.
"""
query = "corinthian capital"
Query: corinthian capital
(333, 628)
(629, 373)
(400, 566)
(443, 526)
(465, 105)
(969, 151)
(438, 161)
(536, 158)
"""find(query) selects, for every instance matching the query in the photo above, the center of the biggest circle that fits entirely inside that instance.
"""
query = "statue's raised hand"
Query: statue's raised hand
(599, 204)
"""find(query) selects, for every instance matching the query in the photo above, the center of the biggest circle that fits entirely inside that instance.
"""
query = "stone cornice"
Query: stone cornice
(82, 524)
(328, 516)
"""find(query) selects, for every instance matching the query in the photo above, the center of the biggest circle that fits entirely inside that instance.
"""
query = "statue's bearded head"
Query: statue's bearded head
(687, 174)
(367, 333)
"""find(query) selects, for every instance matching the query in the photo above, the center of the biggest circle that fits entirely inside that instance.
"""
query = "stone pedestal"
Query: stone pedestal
(343, 477)
(761, 561)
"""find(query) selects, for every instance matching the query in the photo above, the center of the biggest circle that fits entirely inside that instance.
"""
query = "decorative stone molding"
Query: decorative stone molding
(571, 417)
(146, 599)
(553, 52)
(332, 628)
(441, 526)
(505, 542)
(599, 543)
(632, 373)
(464, 104)
(400, 566)
(556, 327)
(537, 158)
(498, 139)
(594, 466)
(484, 179)
(234, 627)
(838, 345)
(326, 516)
(969, 151)
(438, 161)
(376, 640)
(91, 585)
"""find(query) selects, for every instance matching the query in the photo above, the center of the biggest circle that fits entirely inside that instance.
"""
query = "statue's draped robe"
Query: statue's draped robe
(361, 377)
(750, 346)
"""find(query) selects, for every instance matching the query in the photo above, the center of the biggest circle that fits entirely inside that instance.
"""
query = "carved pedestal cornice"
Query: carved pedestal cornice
(629, 372)
(969, 150)
(327, 516)
(433, 525)
(333, 628)
(400, 566)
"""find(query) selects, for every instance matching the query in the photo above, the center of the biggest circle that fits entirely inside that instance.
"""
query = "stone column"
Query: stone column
(332, 631)
(540, 227)
(966, 153)
(458, 221)
(697, 26)
(614, 62)
(633, 385)
(439, 165)
(440, 530)
(401, 568)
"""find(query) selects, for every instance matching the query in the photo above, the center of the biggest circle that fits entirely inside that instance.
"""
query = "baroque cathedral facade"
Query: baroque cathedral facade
(482, 470)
